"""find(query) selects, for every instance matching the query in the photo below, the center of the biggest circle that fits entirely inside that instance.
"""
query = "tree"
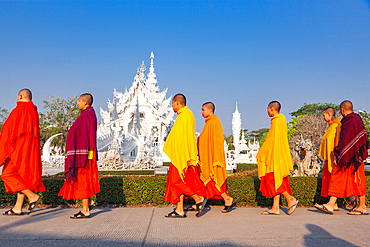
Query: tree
(366, 118)
(3, 116)
(58, 118)
(315, 109)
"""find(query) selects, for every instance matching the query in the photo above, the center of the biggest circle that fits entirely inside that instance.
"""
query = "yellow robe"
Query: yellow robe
(181, 145)
(274, 155)
(329, 142)
(211, 152)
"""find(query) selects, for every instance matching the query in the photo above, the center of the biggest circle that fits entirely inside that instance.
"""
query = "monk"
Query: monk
(20, 154)
(183, 174)
(212, 157)
(81, 169)
(348, 174)
(275, 163)
(328, 142)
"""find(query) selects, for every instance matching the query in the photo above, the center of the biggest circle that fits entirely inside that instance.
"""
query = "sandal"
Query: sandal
(174, 214)
(79, 215)
(10, 212)
(92, 206)
(199, 208)
(357, 212)
(33, 205)
(228, 208)
(190, 208)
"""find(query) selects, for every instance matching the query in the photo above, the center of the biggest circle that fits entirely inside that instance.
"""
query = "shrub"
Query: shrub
(150, 191)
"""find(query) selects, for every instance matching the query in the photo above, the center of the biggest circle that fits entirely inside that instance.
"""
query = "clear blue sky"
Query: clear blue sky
(250, 52)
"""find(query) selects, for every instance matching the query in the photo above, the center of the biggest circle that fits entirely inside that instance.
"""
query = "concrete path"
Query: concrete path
(147, 226)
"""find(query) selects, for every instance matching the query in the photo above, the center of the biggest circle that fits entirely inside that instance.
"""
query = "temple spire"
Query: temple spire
(152, 77)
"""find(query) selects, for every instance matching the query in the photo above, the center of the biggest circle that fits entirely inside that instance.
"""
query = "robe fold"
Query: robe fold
(181, 148)
(20, 151)
(81, 170)
(348, 176)
(328, 142)
(212, 157)
(274, 155)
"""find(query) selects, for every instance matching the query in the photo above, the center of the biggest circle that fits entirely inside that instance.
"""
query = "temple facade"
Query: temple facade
(135, 125)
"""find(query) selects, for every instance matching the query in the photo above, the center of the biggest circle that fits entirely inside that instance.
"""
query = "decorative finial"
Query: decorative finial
(152, 55)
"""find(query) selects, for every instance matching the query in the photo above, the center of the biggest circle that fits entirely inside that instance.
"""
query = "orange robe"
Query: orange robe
(20, 151)
(328, 142)
(86, 184)
(274, 159)
(181, 148)
(212, 157)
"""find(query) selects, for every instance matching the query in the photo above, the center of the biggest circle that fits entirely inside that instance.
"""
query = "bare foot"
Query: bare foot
(271, 211)
(229, 201)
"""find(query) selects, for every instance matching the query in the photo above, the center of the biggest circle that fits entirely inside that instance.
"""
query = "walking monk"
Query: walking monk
(183, 175)
(275, 163)
(348, 175)
(212, 157)
(328, 142)
(81, 169)
(20, 154)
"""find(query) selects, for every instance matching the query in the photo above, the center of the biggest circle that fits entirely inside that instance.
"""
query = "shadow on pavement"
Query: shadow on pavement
(320, 237)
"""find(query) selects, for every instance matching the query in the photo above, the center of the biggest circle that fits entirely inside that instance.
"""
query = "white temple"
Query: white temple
(243, 153)
(136, 125)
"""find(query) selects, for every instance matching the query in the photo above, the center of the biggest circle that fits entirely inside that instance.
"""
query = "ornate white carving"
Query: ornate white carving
(136, 124)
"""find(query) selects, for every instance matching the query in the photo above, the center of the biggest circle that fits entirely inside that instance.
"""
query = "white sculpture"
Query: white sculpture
(243, 152)
(136, 125)
(304, 159)
(54, 160)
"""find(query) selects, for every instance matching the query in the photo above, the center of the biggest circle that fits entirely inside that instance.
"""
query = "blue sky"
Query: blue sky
(250, 52)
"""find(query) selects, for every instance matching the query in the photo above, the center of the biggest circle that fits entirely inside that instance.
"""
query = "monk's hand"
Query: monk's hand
(335, 160)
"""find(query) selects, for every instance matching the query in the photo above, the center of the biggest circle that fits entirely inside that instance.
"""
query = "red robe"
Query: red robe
(191, 184)
(86, 183)
(20, 151)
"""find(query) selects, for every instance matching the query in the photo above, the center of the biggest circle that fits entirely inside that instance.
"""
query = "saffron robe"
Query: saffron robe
(20, 151)
(348, 176)
(328, 142)
(81, 173)
(212, 157)
(274, 155)
(181, 148)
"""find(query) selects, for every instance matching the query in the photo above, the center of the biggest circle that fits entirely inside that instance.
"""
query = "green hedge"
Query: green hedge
(245, 167)
(150, 191)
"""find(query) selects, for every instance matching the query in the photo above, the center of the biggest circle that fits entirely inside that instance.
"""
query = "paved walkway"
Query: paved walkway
(147, 226)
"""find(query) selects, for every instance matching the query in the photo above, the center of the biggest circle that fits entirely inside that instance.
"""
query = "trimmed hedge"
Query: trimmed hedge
(245, 167)
(134, 191)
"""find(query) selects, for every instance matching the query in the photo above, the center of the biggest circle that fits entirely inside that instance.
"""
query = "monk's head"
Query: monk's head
(346, 107)
(328, 114)
(24, 95)
(84, 101)
(273, 108)
(208, 109)
(178, 102)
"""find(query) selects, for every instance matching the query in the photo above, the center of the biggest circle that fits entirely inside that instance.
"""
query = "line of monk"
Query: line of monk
(198, 167)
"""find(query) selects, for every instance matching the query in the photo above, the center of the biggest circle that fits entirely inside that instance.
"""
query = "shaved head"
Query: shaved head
(180, 98)
(210, 105)
(275, 104)
(26, 94)
(330, 110)
(88, 98)
(347, 106)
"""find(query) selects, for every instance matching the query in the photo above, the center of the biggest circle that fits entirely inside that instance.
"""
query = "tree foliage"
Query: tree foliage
(58, 118)
(3, 116)
(315, 109)
(366, 118)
